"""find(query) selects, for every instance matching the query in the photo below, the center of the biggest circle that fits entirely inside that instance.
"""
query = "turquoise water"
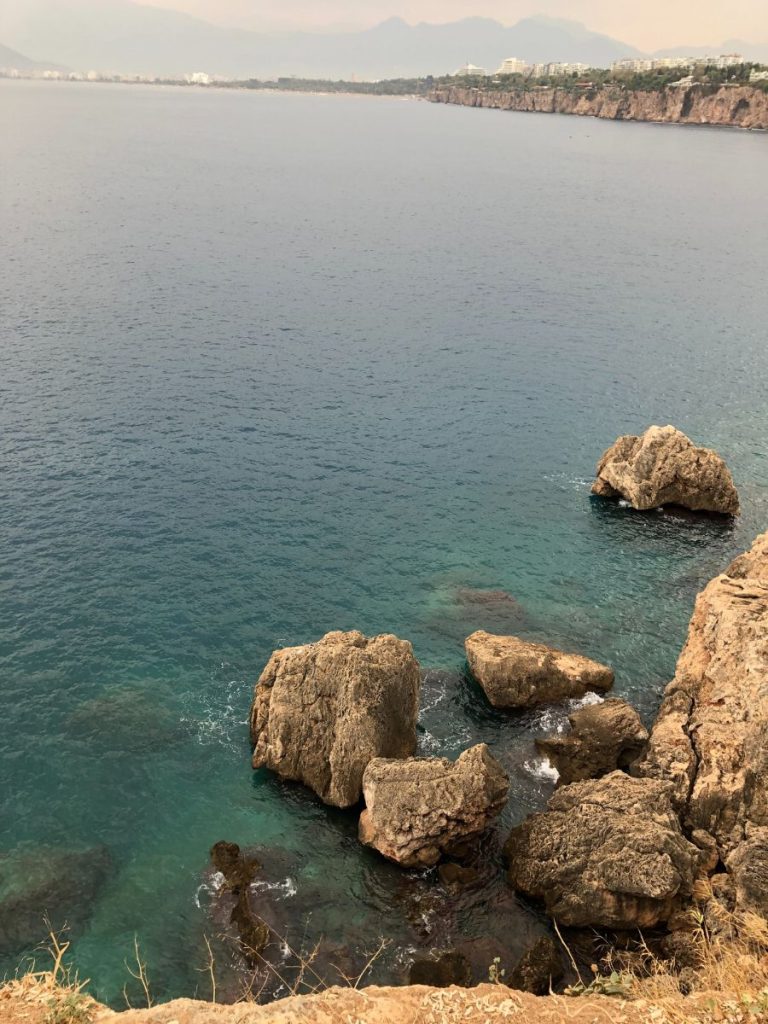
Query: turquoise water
(274, 365)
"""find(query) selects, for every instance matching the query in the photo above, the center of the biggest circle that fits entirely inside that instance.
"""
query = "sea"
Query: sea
(273, 365)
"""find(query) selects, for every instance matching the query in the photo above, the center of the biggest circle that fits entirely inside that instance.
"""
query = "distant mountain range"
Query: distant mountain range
(13, 59)
(118, 35)
(123, 36)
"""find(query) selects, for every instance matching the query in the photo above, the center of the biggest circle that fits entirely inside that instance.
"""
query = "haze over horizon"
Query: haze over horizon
(651, 26)
(173, 37)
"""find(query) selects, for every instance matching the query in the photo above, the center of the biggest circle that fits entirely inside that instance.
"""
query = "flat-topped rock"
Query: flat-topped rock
(516, 673)
(418, 809)
(323, 711)
(606, 853)
(664, 467)
(603, 737)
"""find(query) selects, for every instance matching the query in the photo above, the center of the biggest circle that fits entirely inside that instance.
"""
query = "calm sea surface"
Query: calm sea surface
(273, 365)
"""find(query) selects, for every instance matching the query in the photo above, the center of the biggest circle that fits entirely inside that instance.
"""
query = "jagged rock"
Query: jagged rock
(39, 883)
(747, 867)
(710, 739)
(606, 852)
(538, 968)
(664, 467)
(603, 737)
(441, 970)
(418, 809)
(321, 712)
(515, 673)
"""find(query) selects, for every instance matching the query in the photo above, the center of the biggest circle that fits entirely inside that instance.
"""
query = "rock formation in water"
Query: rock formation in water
(515, 673)
(420, 808)
(607, 852)
(323, 711)
(664, 467)
(239, 871)
(710, 739)
(603, 737)
(740, 107)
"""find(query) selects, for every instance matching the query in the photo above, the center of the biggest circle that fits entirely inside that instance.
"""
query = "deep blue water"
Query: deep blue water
(274, 365)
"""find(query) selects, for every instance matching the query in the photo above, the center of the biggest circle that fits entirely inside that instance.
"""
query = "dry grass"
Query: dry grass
(727, 975)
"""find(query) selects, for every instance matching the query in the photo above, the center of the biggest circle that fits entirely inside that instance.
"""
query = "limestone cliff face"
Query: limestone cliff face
(740, 107)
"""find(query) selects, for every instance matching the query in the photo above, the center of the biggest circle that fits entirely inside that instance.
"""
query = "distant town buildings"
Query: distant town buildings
(725, 60)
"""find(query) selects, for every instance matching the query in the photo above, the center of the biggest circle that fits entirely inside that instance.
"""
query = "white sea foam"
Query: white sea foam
(210, 887)
(280, 890)
(219, 721)
(540, 768)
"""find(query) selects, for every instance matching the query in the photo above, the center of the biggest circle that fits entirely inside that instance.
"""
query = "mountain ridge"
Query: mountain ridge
(123, 36)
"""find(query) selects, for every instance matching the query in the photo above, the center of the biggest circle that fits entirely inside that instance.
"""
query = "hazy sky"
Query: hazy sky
(649, 24)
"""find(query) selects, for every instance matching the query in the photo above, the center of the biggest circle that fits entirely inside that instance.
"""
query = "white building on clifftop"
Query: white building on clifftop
(471, 71)
(512, 66)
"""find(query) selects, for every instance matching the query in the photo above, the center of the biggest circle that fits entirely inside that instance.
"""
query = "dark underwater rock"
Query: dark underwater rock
(441, 970)
(45, 888)
(126, 718)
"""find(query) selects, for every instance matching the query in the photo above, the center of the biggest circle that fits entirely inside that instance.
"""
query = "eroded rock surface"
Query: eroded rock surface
(664, 467)
(539, 968)
(607, 852)
(710, 739)
(323, 711)
(420, 808)
(516, 673)
(603, 737)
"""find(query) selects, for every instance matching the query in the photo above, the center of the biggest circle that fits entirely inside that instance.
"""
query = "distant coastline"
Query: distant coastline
(735, 104)
(741, 106)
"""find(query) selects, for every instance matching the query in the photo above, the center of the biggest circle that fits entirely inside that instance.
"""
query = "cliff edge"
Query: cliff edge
(726, 106)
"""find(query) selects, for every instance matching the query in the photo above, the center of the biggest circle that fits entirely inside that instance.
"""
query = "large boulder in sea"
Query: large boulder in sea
(664, 467)
(323, 711)
(710, 739)
(420, 808)
(602, 738)
(516, 673)
(606, 853)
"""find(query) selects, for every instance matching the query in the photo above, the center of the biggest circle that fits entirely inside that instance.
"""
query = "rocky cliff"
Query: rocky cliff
(738, 107)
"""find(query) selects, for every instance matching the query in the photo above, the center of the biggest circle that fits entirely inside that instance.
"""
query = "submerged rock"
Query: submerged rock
(607, 852)
(441, 970)
(239, 872)
(538, 969)
(239, 869)
(710, 739)
(323, 711)
(664, 467)
(603, 737)
(422, 807)
(516, 673)
(43, 888)
(128, 718)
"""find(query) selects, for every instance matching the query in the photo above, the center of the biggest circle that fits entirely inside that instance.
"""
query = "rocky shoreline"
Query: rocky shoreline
(738, 107)
(661, 831)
